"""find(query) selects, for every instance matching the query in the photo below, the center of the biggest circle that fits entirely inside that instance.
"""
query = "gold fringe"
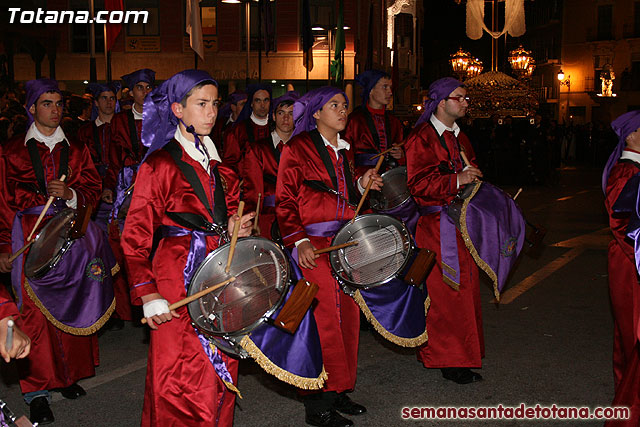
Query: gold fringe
(227, 384)
(449, 269)
(68, 329)
(453, 285)
(282, 374)
(115, 269)
(467, 241)
(401, 341)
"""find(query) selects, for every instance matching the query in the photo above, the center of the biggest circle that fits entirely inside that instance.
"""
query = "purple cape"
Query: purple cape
(368, 80)
(439, 90)
(143, 75)
(158, 121)
(305, 107)
(34, 89)
(623, 126)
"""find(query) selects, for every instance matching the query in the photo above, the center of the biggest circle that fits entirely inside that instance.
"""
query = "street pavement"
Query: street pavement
(548, 342)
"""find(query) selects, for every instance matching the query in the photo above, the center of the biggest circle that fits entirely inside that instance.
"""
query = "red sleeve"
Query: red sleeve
(231, 187)
(397, 136)
(7, 306)
(290, 177)
(428, 184)
(232, 143)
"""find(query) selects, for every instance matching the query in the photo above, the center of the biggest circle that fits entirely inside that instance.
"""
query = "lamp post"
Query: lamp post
(460, 63)
(565, 82)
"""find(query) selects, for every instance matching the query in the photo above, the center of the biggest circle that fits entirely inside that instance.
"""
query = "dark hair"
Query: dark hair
(286, 103)
(183, 101)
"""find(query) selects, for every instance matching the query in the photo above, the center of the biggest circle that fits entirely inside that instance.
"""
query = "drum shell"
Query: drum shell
(212, 270)
(395, 190)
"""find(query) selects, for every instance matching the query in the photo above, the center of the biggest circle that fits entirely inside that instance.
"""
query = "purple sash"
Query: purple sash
(76, 294)
(319, 229)
(125, 180)
(270, 200)
(364, 159)
(407, 213)
(448, 245)
(103, 215)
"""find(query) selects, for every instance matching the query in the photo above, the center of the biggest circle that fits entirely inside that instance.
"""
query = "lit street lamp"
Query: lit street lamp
(460, 63)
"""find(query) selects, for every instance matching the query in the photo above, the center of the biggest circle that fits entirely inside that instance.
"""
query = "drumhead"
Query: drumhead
(394, 191)
(262, 280)
(50, 244)
(383, 250)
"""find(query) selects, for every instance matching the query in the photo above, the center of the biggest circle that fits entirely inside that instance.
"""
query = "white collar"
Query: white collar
(342, 144)
(630, 155)
(441, 127)
(230, 120)
(98, 122)
(49, 141)
(259, 122)
(136, 115)
(276, 138)
(194, 153)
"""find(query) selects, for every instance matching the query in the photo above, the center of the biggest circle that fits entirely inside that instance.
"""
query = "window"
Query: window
(605, 22)
(80, 32)
(322, 16)
(255, 15)
(151, 28)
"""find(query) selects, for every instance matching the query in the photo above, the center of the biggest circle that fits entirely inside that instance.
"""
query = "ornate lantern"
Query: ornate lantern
(460, 62)
(474, 68)
(520, 59)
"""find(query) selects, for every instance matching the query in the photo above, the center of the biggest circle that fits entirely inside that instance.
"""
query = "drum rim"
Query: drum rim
(403, 201)
(42, 271)
(333, 256)
(264, 317)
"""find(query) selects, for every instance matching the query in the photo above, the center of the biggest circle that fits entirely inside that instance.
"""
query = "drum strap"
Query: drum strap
(268, 178)
(219, 213)
(36, 161)
(133, 134)
(328, 164)
(374, 131)
(249, 128)
(636, 164)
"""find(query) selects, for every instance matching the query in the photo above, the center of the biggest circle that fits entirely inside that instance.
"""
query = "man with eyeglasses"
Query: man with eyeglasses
(436, 172)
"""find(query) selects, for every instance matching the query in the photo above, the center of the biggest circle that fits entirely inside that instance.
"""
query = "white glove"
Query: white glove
(155, 307)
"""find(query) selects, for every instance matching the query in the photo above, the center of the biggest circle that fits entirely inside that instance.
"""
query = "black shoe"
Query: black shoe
(347, 406)
(74, 391)
(40, 412)
(327, 419)
(461, 375)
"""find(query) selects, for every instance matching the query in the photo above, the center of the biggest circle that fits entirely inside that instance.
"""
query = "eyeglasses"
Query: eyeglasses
(459, 98)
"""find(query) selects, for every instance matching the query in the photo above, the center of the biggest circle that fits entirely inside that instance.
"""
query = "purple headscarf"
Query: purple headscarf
(35, 88)
(251, 90)
(158, 121)
(439, 90)
(234, 98)
(307, 105)
(623, 126)
(291, 96)
(143, 75)
(368, 80)
(96, 90)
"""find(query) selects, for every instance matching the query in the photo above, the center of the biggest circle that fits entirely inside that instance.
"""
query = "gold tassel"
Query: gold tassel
(227, 384)
(282, 374)
(401, 341)
(115, 269)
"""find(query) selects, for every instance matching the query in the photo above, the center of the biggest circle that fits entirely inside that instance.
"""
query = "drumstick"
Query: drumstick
(387, 151)
(19, 251)
(256, 228)
(336, 247)
(44, 211)
(195, 296)
(234, 237)
(366, 190)
(517, 194)
(9, 342)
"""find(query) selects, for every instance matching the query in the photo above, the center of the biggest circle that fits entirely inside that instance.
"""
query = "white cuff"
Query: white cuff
(302, 240)
(73, 202)
(155, 307)
(360, 187)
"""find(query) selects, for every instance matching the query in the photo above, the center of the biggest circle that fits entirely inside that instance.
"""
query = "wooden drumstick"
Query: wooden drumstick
(336, 247)
(388, 150)
(44, 211)
(234, 237)
(195, 296)
(517, 194)
(256, 227)
(20, 251)
(366, 190)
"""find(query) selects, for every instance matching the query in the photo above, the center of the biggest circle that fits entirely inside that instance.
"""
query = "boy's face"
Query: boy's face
(284, 118)
(47, 110)
(333, 114)
(381, 92)
(260, 104)
(201, 109)
(140, 91)
(106, 103)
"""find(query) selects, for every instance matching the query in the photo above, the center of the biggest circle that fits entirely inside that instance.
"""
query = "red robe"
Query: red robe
(260, 168)
(454, 322)
(624, 288)
(122, 151)
(7, 306)
(336, 314)
(358, 134)
(236, 139)
(182, 387)
(99, 150)
(57, 359)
